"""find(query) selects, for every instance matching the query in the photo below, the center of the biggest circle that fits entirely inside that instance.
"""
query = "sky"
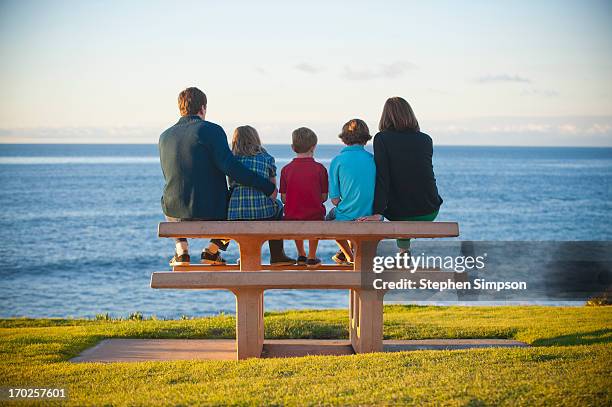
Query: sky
(478, 72)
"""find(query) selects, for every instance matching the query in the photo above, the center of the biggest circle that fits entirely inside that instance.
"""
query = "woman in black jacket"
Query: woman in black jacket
(405, 182)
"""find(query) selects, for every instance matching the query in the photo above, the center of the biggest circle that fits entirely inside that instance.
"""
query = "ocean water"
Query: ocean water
(78, 222)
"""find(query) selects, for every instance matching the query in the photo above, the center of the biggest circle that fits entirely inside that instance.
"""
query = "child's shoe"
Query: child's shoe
(302, 260)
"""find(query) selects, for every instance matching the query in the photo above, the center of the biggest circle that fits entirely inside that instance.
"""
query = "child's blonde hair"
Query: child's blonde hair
(246, 142)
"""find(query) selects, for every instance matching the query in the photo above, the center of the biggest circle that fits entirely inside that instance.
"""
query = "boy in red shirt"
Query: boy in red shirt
(303, 188)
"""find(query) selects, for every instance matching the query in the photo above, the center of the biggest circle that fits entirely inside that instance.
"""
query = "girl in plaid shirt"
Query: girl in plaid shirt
(248, 203)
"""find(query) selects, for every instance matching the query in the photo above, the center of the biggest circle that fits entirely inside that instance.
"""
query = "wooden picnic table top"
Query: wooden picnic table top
(308, 229)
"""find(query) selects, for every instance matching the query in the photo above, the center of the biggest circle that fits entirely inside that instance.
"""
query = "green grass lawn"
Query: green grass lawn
(569, 362)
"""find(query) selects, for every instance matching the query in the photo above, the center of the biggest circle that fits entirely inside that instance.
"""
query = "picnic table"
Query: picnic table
(249, 279)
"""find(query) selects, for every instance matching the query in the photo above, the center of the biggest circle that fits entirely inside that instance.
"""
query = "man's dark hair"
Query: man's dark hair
(190, 101)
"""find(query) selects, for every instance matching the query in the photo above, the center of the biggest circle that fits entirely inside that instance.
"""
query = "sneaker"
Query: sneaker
(313, 263)
(302, 260)
(182, 260)
(212, 259)
(340, 259)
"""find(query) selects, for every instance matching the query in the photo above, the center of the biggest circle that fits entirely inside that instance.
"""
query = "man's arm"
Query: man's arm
(216, 140)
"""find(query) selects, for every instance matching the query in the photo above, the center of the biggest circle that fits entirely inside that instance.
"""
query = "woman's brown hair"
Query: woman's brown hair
(355, 131)
(398, 115)
(246, 142)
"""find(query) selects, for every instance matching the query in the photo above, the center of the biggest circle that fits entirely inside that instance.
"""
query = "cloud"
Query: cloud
(540, 92)
(502, 78)
(308, 68)
(517, 131)
(393, 70)
(535, 127)
(438, 91)
(526, 131)
(101, 135)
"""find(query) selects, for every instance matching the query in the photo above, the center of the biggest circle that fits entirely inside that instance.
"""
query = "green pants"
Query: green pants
(405, 243)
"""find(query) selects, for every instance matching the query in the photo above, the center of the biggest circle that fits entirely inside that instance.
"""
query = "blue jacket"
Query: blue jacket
(195, 160)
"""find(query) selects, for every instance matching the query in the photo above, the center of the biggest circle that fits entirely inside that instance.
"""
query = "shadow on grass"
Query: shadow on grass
(578, 338)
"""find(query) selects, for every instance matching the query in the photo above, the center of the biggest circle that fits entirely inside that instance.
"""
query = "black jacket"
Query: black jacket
(405, 181)
(195, 158)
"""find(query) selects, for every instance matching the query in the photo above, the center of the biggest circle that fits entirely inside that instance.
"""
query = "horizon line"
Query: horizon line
(320, 144)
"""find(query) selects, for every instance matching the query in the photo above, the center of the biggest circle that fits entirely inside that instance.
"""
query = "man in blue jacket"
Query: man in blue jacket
(195, 160)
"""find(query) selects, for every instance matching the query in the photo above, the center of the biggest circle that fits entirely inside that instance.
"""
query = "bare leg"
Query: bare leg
(346, 249)
(299, 244)
(312, 249)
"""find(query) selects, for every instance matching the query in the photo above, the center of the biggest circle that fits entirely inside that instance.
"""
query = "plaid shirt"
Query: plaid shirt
(248, 203)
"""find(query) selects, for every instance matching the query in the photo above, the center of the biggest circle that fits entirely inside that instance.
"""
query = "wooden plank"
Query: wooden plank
(233, 267)
(207, 267)
(231, 280)
(307, 229)
(300, 280)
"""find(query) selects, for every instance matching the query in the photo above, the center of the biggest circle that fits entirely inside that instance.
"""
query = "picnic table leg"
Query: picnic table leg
(250, 253)
(364, 255)
(249, 322)
(366, 305)
(366, 330)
